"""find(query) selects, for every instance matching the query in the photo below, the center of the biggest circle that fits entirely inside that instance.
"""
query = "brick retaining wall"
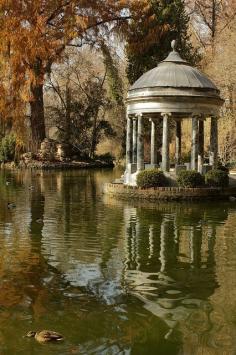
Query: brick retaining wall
(168, 193)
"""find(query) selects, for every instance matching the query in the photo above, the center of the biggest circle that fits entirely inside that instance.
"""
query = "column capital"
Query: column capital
(197, 115)
(137, 115)
(163, 114)
(215, 117)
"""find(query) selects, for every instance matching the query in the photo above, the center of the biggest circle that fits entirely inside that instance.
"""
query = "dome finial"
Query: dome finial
(173, 45)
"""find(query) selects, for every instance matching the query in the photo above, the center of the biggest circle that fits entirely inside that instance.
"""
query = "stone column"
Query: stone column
(140, 144)
(178, 142)
(153, 142)
(165, 165)
(213, 142)
(134, 140)
(129, 141)
(194, 145)
(200, 145)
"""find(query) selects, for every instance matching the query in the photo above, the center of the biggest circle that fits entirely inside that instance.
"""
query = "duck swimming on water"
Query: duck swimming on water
(11, 205)
(45, 336)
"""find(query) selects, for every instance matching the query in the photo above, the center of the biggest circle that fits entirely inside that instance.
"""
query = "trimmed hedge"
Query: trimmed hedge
(222, 167)
(190, 178)
(217, 178)
(151, 178)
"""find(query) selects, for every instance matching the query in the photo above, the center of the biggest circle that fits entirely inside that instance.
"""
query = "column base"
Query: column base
(206, 168)
(180, 167)
(130, 178)
(150, 166)
(131, 168)
(200, 164)
(164, 169)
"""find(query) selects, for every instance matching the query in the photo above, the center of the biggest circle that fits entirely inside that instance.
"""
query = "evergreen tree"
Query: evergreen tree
(149, 39)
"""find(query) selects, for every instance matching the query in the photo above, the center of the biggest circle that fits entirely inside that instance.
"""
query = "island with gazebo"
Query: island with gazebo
(165, 96)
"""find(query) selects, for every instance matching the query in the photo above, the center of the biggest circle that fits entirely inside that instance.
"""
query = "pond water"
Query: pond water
(113, 277)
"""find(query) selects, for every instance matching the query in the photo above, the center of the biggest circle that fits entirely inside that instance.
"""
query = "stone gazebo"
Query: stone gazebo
(174, 90)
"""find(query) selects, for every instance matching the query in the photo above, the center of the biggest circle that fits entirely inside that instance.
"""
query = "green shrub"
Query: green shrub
(8, 148)
(217, 178)
(222, 167)
(151, 178)
(106, 157)
(231, 165)
(190, 178)
(185, 157)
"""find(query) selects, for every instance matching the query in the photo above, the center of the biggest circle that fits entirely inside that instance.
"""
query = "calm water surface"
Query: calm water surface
(113, 277)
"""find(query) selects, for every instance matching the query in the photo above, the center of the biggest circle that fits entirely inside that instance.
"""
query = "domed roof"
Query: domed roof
(175, 87)
(174, 72)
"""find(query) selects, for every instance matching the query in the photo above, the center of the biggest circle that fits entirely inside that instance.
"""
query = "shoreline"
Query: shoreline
(56, 165)
(168, 193)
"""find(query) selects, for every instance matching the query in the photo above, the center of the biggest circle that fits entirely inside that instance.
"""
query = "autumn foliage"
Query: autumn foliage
(35, 33)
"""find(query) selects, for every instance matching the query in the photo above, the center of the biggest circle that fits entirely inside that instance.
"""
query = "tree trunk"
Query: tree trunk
(37, 106)
(68, 115)
(213, 20)
(37, 117)
(94, 136)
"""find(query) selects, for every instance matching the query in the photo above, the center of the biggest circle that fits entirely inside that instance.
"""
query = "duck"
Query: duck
(39, 220)
(11, 205)
(232, 198)
(45, 336)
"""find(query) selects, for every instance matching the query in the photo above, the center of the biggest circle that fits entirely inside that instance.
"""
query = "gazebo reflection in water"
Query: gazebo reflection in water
(170, 261)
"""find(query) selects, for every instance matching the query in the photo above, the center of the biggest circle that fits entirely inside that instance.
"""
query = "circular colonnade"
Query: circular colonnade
(174, 90)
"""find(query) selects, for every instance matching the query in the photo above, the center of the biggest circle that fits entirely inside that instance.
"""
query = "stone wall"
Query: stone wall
(168, 193)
